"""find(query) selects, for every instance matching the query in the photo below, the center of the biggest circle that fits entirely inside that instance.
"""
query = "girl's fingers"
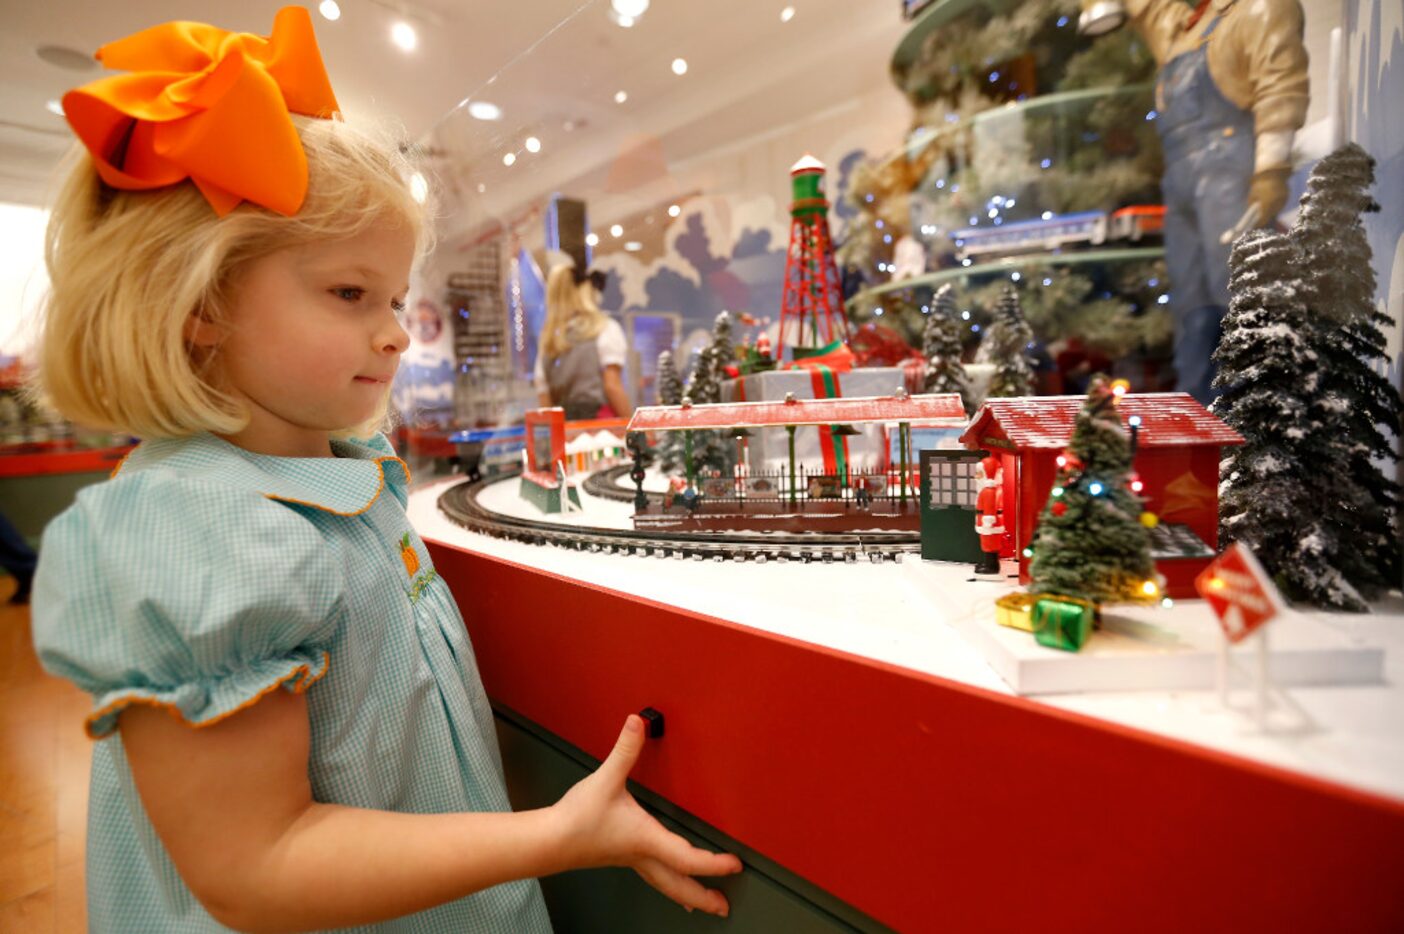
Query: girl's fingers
(680, 856)
(682, 889)
(620, 762)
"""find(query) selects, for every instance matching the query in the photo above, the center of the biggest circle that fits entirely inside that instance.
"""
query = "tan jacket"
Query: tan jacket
(1256, 56)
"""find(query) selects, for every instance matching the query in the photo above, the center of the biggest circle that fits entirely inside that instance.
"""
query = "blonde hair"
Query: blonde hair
(571, 312)
(129, 268)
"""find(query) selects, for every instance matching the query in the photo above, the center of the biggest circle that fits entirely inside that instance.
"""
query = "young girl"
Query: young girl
(581, 361)
(293, 731)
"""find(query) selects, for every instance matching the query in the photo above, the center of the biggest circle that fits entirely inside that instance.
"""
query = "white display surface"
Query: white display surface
(1353, 734)
(1142, 648)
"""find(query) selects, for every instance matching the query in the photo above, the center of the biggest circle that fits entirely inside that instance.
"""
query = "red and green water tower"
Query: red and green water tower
(812, 318)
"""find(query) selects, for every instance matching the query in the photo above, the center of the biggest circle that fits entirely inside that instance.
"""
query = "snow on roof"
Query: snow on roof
(1046, 422)
(933, 409)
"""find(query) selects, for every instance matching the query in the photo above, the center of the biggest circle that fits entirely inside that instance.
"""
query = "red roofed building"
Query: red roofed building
(1177, 457)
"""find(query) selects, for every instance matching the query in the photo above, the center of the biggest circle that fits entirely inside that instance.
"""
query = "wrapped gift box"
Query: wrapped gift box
(1062, 622)
(1015, 610)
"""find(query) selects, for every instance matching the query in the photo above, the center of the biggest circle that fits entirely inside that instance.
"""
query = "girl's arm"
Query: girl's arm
(615, 394)
(233, 806)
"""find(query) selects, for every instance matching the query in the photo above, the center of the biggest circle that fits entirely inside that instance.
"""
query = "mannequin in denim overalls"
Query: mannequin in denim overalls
(1227, 112)
(1208, 145)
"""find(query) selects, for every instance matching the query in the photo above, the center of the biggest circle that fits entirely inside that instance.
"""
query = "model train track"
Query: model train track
(460, 504)
(605, 485)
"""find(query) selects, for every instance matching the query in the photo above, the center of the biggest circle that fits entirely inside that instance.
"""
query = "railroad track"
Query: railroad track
(460, 504)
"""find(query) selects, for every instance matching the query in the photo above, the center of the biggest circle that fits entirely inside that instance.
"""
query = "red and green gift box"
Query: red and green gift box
(1062, 622)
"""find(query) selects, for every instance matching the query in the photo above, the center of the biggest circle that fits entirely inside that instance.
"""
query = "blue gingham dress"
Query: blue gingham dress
(202, 576)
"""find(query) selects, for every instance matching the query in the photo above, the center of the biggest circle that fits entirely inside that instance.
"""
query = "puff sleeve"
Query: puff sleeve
(184, 594)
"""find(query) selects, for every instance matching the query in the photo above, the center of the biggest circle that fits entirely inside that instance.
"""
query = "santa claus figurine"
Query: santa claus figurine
(989, 515)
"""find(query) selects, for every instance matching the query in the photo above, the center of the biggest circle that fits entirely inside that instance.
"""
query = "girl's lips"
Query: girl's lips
(372, 379)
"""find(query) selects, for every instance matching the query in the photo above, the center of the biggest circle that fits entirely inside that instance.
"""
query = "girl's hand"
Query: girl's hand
(605, 826)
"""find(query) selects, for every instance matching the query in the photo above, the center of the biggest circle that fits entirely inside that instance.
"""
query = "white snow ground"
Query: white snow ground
(1351, 734)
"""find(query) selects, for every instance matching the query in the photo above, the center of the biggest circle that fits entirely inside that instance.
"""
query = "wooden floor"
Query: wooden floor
(44, 759)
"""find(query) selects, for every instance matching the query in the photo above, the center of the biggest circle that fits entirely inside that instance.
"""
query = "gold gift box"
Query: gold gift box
(1015, 610)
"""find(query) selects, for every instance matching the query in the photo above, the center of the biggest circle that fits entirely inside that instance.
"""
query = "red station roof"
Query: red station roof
(1046, 422)
(936, 408)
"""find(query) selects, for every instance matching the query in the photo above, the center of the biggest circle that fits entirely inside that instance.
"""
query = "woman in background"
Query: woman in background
(580, 363)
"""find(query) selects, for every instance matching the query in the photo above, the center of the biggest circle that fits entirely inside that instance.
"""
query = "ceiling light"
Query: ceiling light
(481, 188)
(626, 22)
(592, 239)
(679, 66)
(620, 97)
(616, 231)
(674, 210)
(484, 110)
(634, 8)
(509, 158)
(419, 188)
(330, 10)
(55, 107)
(787, 14)
(533, 144)
(403, 35)
(633, 246)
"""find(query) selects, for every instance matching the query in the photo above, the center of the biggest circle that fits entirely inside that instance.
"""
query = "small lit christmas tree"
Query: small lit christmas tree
(1009, 338)
(1093, 541)
(1270, 381)
(940, 345)
(723, 348)
(1359, 409)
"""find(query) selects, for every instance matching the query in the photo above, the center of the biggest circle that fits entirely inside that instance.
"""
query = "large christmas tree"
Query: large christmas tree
(1009, 339)
(940, 345)
(1091, 542)
(1359, 409)
(1271, 392)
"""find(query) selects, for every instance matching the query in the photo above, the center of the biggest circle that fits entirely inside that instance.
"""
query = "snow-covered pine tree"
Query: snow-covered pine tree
(670, 392)
(711, 450)
(940, 344)
(723, 348)
(1359, 408)
(702, 386)
(1009, 338)
(1270, 382)
(1090, 541)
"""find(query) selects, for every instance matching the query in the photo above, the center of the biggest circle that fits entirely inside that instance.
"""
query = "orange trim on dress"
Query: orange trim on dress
(302, 675)
(123, 460)
(379, 462)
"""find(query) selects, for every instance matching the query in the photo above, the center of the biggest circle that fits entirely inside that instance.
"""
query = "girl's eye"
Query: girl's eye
(397, 306)
(348, 293)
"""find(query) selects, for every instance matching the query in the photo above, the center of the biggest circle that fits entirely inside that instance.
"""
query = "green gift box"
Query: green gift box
(1063, 622)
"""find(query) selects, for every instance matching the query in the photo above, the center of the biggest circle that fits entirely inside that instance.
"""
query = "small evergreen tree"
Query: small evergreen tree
(1359, 409)
(1010, 337)
(723, 348)
(1090, 541)
(940, 344)
(711, 450)
(670, 392)
(1271, 386)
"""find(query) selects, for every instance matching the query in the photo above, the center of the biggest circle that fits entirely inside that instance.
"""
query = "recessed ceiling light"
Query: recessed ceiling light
(674, 210)
(509, 158)
(616, 230)
(592, 239)
(54, 107)
(484, 110)
(787, 14)
(481, 188)
(625, 21)
(61, 56)
(621, 96)
(633, 246)
(403, 35)
(679, 66)
(634, 8)
(330, 10)
(533, 144)
(419, 187)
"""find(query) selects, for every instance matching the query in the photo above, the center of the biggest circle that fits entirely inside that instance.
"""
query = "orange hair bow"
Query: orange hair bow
(209, 105)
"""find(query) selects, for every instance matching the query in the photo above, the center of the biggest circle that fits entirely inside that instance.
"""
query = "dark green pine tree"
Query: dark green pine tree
(1271, 384)
(1010, 337)
(712, 451)
(723, 348)
(1359, 408)
(1090, 541)
(670, 392)
(940, 344)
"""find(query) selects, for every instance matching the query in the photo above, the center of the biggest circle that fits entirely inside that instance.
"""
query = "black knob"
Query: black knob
(653, 722)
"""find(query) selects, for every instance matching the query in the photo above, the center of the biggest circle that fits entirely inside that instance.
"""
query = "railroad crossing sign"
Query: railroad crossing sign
(1239, 591)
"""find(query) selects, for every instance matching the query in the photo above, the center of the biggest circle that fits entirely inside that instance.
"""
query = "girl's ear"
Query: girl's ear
(199, 331)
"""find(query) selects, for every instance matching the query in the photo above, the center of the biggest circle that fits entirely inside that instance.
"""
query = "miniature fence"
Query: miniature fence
(852, 488)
